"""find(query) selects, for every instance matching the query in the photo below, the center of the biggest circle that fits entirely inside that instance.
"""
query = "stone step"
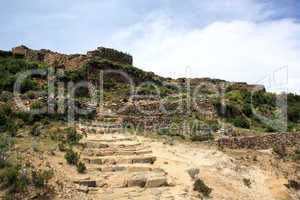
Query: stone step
(109, 140)
(99, 153)
(98, 145)
(120, 160)
(101, 129)
(161, 193)
(128, 168)
(90, 183)
(146, 180)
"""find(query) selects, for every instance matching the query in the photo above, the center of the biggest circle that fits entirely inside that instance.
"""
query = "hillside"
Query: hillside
(106, 129)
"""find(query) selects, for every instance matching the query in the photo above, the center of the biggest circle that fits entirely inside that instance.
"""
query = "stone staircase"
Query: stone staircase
(119, 166)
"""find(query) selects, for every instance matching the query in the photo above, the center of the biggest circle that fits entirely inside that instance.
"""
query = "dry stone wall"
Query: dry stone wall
(261, 142)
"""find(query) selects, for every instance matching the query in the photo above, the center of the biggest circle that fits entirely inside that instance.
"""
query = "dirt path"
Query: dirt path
(125, 166)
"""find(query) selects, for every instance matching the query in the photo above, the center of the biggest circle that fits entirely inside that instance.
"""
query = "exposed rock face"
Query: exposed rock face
(74, 61)
(261, 142)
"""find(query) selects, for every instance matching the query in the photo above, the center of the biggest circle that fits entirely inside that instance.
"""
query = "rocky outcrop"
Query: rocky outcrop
(260, 142)
(112, 55)
(73, 61)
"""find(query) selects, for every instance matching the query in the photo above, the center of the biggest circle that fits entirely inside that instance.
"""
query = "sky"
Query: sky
(254, 41)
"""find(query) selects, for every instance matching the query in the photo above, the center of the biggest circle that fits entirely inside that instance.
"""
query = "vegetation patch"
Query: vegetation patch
(202, 188)
(72, 157)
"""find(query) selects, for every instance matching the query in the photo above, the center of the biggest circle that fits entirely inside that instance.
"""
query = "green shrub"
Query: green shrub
(293, 110)
(247, 110)
(11, 128)
(72, 157)
(240, 122)
(5, 54)
(81, 168)
(40, 178)
(36, 129)
(202, 188)
(36, 105)
(31, 95)
(14, 178)
(6, 96)
(5, 143)
(57, 136)
(62, 147)
(293, 184)
(72, 136)
(25, 116)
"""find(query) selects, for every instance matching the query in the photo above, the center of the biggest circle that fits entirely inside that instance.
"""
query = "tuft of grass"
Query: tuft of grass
(193, 172)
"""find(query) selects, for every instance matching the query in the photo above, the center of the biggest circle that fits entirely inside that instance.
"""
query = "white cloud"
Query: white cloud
(236, 50)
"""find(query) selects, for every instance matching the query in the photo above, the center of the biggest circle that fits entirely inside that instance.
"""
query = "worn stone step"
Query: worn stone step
(99, 145)
(103, 153)
(101, 129)
(146, 180)
(120, 160)
(90, 183)
(123, 168)
(161, 193)
(128, 168)
(109, 140)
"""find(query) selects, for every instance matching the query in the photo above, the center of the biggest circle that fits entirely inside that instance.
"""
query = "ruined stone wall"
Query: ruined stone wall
(260, 142)
(73, 61)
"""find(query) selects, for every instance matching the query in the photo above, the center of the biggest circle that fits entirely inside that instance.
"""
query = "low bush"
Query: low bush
(202, 188)
(40, 178)
(81, 168)
(36, 129)
(15, 179)
(72, 157)
(5, 143)
(240, 122)
(6, 96)
(72, 136)
(62, 147)
(293, 184)
(37, 105)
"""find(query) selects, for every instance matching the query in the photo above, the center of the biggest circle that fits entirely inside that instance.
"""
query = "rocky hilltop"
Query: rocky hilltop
(71, 62)
(147, 137)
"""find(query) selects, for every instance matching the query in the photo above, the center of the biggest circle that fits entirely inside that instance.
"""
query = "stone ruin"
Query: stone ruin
(73, 61)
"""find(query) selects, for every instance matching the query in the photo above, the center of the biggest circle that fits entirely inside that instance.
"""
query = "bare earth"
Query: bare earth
(125, 166)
